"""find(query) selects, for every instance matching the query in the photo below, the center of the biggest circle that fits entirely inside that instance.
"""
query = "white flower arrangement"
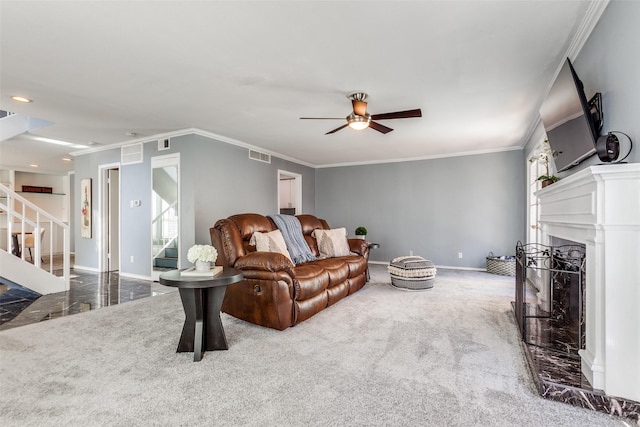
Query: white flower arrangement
(202, 253)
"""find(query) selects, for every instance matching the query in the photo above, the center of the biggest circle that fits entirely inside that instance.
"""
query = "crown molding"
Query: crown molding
(227, 140)
(418, 158)
(592, 16)
(192, 131)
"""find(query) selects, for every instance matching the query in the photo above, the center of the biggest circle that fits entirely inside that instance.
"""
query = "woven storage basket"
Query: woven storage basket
(502, 265)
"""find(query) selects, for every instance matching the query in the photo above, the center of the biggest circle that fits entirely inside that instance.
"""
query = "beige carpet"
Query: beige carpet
(448, 356)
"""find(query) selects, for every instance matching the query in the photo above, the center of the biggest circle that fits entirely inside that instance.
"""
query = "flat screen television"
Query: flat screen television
(568, 120)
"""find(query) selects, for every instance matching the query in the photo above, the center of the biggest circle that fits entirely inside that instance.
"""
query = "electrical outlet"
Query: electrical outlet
(459, 254)
(410, 253)
(131, 259)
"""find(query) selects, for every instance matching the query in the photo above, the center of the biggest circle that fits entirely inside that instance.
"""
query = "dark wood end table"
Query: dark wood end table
(371, 246)
(201, 299)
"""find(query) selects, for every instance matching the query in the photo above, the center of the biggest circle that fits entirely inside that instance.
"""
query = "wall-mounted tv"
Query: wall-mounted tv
(568, 120)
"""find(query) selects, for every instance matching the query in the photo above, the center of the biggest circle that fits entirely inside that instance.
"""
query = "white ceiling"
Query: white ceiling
(248, 70)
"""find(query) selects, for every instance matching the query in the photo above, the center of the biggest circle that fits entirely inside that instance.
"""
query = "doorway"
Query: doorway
(165, 214)
(289, 193)
(110, 216)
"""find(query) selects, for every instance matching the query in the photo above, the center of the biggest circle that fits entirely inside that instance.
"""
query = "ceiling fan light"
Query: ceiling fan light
(358, 125)
(358, 122)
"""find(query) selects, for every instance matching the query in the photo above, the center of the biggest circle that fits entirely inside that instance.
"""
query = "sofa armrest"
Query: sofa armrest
(359, 246)
(265, 261)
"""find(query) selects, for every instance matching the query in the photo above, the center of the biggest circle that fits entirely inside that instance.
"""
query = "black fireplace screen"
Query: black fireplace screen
(550, 296)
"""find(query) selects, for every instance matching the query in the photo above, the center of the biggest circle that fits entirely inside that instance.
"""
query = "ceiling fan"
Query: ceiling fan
(359, 118)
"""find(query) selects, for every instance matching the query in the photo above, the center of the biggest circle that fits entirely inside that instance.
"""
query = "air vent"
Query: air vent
(164, 144)
(131, 154)
(261, 157)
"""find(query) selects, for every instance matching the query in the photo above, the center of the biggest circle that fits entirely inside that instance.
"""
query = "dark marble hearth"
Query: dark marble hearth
(555, 369)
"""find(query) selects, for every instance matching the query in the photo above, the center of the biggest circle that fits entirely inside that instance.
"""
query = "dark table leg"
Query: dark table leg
(202, 328)
(215, 337)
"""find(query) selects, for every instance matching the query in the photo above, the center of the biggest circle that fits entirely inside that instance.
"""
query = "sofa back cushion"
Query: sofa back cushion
(249, 223)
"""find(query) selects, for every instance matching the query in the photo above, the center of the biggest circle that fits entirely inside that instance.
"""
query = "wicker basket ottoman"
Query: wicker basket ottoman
(412, 272)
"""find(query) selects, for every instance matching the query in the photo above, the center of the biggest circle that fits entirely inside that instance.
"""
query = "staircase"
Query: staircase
(20, 217)
(167, 257)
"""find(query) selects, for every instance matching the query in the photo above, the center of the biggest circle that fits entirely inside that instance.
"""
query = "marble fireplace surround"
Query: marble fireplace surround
(600, 207)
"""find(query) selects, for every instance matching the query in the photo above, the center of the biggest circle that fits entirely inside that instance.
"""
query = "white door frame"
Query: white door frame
(297, 189)
(103, 209)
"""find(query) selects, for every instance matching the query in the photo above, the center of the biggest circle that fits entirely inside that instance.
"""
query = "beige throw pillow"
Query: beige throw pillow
(270, 242)
(332, 243)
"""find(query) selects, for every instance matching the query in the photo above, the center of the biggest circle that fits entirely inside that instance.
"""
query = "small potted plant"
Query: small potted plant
(361, 232)
(545, 157)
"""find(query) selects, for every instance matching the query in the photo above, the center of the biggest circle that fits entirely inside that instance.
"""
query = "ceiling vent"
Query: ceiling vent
(131, 154)
(261, 157)
(164, 144)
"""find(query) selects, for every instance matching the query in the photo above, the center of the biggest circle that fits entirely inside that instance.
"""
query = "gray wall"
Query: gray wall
(435, 208)
(609, 63)
(216, 180)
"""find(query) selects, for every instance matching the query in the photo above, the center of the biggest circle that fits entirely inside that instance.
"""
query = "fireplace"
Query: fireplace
(550, 293)
(599, 207)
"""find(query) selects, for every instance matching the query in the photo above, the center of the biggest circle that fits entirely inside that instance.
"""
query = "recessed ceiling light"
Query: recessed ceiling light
(21, 99)
(66, 159)
(33, 166)
(131, 134)
(58, 142)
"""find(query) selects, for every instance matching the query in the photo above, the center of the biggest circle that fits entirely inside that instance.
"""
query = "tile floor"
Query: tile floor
(88, 291)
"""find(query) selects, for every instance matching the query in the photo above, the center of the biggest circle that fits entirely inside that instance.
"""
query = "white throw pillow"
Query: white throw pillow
(332, 243)
(270, 242)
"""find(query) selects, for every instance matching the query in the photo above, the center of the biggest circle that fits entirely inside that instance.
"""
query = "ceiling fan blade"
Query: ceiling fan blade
(359, 107)
(337, 129)
(321, 118)
(397, 115)
(380, 128)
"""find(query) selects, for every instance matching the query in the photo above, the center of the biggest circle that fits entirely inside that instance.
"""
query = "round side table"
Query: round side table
(201, 299)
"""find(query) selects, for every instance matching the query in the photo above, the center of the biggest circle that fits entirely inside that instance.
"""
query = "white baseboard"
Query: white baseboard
(80, 267)
(446, 267)
(135, 276)
(449, 267)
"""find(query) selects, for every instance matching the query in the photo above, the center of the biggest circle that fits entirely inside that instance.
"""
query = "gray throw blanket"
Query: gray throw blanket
(291, 231)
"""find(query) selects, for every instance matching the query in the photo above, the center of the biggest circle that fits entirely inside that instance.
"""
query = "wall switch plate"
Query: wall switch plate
(459, 254)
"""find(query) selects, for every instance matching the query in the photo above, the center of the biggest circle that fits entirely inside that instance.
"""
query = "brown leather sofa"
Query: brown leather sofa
(276, 293)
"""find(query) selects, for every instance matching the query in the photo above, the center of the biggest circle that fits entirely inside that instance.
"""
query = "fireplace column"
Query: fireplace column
(600, 207)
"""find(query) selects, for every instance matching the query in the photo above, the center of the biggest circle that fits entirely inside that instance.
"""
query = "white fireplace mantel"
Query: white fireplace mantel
(600, 207)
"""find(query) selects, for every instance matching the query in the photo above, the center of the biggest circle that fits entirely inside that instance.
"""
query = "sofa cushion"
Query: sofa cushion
(337, 269)
(357, 264)
(310, 280)
(270, 242)
(332, 243)
(249, 223)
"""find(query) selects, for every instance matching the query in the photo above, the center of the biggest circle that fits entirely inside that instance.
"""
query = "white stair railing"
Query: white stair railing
(24, 217)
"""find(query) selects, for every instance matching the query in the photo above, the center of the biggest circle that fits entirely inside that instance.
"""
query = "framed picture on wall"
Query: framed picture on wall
(85, 208)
